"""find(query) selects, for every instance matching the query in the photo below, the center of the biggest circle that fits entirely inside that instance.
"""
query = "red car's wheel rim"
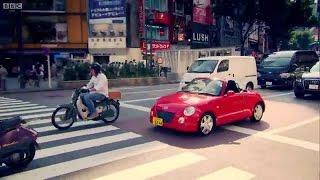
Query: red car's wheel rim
(206, 124)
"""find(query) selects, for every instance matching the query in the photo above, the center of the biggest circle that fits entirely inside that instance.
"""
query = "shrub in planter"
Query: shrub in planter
(70, 74)
(83, 70)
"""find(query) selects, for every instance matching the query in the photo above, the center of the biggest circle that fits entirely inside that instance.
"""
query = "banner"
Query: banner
(100, 9)
(202, 12)
(141, 16)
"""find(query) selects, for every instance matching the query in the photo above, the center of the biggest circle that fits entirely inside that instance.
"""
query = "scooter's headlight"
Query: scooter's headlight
(189, 111)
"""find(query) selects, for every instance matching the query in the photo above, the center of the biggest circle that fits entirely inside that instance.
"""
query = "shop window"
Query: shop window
(179, 7)
(45, 5)
(41, 29)
(160, 5)
(157, 33)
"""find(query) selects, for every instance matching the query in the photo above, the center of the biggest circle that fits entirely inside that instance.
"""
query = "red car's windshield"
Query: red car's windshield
(204, 86)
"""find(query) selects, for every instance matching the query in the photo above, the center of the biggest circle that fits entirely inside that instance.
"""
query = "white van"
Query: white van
(241, 69)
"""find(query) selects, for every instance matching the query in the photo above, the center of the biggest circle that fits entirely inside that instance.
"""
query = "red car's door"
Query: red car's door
(231, 108)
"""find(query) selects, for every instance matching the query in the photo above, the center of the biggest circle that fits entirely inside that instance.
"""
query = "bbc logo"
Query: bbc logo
(12, 5)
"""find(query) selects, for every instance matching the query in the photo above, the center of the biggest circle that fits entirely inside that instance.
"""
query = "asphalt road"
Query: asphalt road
(284, 145)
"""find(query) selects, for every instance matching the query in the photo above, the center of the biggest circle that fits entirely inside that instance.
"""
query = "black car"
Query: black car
(308, 83)
(281, 68)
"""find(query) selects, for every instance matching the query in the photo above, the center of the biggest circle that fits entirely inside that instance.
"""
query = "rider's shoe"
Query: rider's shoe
(93, 115)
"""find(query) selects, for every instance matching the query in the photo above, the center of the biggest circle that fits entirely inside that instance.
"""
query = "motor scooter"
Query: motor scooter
(17, 143)
(107, 110)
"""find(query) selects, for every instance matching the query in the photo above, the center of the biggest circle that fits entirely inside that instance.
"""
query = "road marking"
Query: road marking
(76, 124)
(156, 168)
(21, 109)
(42, 153)
(140, 108)
(17, 106)
(141, 92)
(141, 87)
(39, 121)
(228, 173)
(27, 112)
(5, 98)
(278, 95)
(276, 138)
(293, 126)
(16, 103)
(138, 100)
(9, 101)
(87, 162)
(72, 134)
(33, 116)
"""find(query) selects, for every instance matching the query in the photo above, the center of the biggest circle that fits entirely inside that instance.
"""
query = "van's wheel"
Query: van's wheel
(257, 114)
(249, 86)
(206, 124)
(298, 94)
(263, 86)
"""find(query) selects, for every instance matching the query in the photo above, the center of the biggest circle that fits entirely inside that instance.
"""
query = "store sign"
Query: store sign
(100, 9)
(201, 35)
(156, 46)
(202, 12)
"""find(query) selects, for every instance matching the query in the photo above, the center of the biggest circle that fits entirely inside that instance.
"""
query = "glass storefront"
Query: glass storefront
(160, 5)
(42, 29)
(45, 5)
(157, 33)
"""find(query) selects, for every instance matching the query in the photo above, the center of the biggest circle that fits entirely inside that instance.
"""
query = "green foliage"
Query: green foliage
(83, 70)
(300, 39)
(112, 71)
(70, 74)
(280, 15)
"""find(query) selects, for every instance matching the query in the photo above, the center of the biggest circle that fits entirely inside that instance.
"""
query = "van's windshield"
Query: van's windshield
(274, 61)
(203, 66)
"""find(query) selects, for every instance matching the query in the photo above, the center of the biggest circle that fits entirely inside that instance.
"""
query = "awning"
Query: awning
(51, 51)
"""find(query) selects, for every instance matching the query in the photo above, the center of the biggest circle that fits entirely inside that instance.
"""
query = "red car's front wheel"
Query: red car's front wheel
(257, 113)
(206, 124)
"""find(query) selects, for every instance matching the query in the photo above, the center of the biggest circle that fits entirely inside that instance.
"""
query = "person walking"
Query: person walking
(3, 75)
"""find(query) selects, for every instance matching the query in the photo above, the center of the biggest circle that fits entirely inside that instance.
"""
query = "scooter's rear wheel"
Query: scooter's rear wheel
(63, 117)
(114, 107)
(21, 159)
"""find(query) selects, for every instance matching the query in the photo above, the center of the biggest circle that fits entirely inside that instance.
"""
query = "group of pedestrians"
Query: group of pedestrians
(33, 76)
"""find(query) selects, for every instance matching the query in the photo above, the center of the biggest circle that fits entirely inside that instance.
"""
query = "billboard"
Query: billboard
(202, 13)
(100, 9)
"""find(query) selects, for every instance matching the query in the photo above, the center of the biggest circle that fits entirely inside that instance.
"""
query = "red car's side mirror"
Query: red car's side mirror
(230, 93)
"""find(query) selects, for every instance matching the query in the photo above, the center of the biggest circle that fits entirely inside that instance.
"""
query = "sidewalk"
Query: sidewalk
(13, 86)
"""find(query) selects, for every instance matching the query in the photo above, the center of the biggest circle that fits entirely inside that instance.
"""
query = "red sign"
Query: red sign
(156, 45)
(141, 16)
(162, 18)
(202, 12)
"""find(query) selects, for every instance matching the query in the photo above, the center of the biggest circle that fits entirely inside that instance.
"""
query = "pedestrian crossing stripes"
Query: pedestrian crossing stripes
(73, 149)
(157, 167)
(89, 144)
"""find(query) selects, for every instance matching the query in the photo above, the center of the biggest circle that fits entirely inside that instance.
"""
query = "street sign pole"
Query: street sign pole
(49, 71)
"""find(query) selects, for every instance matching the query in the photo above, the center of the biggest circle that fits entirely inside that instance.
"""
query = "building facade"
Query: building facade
(57, 28)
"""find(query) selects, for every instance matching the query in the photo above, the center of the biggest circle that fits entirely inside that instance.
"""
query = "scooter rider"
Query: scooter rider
(98, 87)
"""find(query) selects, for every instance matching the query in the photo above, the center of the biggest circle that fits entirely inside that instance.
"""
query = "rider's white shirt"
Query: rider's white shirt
(100, 83)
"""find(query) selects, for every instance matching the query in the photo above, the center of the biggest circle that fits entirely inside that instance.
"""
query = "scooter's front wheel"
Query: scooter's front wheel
(63, 117)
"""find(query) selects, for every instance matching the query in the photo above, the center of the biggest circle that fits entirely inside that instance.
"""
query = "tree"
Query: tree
(243, 12)
(300, 39)
(280, 15)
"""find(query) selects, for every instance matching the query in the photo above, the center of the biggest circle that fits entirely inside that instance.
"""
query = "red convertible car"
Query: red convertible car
(204, 104)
